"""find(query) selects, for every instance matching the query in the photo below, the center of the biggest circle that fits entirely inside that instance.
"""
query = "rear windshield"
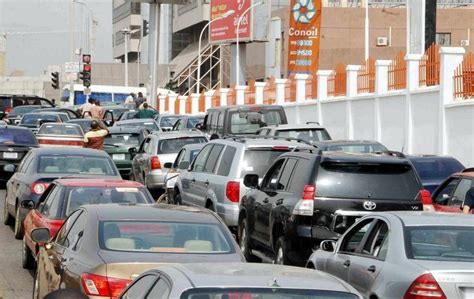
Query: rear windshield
(149, 125)
(259, 160)
(436, 169)
(168, 121)
(263, 293)
(357, 148)
(34, 119)
(76, 165)
(163, 237)
(309, 135)
(245, 123)
(79, 196)
(122, 139)
(53, 129)
(364, 180)
(11, 136)
(173, 146)
(440, 243)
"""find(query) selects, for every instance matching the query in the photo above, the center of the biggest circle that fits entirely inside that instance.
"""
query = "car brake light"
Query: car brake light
(39, 187)
(232, 191)
(425, 287)
(281, 148)
(98, 285)
(305, 206)
(426, 197)
(8, 110)
(155, 163)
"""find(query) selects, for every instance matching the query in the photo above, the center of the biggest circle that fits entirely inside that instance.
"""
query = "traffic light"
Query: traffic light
(145, 28)
(86, 75)
(55, 80)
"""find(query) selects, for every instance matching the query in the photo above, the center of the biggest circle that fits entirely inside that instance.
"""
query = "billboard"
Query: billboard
(304, 36)
(225, 30)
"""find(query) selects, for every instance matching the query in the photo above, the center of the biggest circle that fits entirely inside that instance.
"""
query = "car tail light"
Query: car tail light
(425, 287)
(232, 191)
(426, 197)
(39, 187)
(155, 163)
(305, 206)
(8, 110)
(281, 148)
(103, 286)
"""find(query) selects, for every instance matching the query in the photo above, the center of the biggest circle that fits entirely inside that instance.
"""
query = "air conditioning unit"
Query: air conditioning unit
(465, 43)
(382, 41)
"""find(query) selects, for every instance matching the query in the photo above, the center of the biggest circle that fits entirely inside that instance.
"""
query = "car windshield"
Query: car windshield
(357, 148)
(76, 165)
(436, 169)
(79, 196)
(257, 160)
(168, 121)
(122, 139)
(249, 122)
(149, 125)
(440, 243)
(367, 180)
(309, 135)
(34, 119)
(173, 146)
(11, 136)
(163, 237)
(22, 109)
(192, 122)
(263, 293)
(59, 129)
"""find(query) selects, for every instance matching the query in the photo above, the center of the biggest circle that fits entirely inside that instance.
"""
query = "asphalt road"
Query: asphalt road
(15, 282)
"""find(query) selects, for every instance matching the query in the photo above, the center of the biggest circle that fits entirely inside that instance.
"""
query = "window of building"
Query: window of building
(443, 39)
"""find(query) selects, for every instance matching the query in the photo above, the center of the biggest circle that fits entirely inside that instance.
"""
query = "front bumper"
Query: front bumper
(229, 213)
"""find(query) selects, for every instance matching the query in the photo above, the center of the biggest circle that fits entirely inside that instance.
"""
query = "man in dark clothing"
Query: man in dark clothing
(139, 100)
(468, 202)
(146, 112)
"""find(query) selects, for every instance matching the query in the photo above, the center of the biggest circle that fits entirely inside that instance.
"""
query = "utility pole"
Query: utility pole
(153, 46)
(126, 33)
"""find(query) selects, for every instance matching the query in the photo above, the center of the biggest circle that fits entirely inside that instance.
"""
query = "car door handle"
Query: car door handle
(372, 269)
(206, 183)
(347, 264)
(193, 180)
(279, 202)
(265, 200)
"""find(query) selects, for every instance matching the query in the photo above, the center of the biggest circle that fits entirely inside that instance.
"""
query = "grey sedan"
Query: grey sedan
(404, 254)
(237, 280)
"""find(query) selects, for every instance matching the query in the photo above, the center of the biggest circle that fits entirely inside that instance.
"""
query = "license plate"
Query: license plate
(10, 155)
(118, 156)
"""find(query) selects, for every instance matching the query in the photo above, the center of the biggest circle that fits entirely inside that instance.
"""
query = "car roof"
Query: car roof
(194, 146)
(246, 107)
(40, 113)
(137, 120)
(255, 275)
(294, 127)
(14, 127)
(429, 157)
(355, 157)
(69, 151)
(346, 142)
(261, 142)
(466, 173)
(178, 134)
(129, 130)
(411, 218)
(85, 182)
(28, 106)
(158, 212)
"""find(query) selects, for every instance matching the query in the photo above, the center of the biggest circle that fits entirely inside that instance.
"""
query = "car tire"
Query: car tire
(163, 199)
(27, 260)
(177, 199)
(281, 252)
(7, 218)
(244, 242)
(18, 225)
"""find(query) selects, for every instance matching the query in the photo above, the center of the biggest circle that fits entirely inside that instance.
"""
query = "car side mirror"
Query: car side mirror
(40, 235)
(168, 165)
(251, 181)
(328, 245)
(9, 168)
(27, 204)
(446, 196)
(183, 165)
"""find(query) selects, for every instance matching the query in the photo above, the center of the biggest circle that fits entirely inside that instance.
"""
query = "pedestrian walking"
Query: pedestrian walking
(130, 99)
(95, 137)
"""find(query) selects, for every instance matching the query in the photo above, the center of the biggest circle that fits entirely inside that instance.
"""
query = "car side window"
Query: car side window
(353, 239)
(52, 205)
(446, 193)
(226, 161)
(179, 158)
(377, 242)
(271, 178)
(213, 158)
(149, 146)
(460, 193)
(200, 161)
(220, 122)
(64, 230)
(26, 159)
(144, 143)
(284, 181)
(24, 167)
(161, 290)
(76, 233)
(141, 287)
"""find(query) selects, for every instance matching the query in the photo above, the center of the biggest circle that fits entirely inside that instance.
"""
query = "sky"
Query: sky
(32, 53)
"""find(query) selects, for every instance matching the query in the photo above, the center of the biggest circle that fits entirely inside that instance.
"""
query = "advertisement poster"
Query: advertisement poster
(225, 30)
(304, 36)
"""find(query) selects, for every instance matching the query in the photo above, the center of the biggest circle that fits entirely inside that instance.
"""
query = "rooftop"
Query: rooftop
(85, 182)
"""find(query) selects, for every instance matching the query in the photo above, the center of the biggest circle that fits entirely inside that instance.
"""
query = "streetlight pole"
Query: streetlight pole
(90, 24)
(366, 27)
(126, 33)
(226, 15)
(237, 57)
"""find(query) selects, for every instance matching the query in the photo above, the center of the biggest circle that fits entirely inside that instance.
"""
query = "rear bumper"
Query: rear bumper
(156, 179)
(229, 213)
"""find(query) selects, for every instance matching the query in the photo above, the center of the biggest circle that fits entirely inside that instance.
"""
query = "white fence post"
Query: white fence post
(162, 100)
(323, 76)
(280, 91)
(259, 87)
(413, 71)
(301, 87)
(208, 99)
(171, 100)
(351, 82)
(182, 104)
(224, 92)
(240, 94)
(381, 76)
(195, 103)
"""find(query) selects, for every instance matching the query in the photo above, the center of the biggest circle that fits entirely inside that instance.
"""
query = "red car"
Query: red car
(64, 196)
(450, 195)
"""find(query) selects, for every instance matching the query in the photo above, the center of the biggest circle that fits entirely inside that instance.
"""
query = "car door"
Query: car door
(16, 183)
(190, 190)
(459, 196)
(367, 264)
(339, 263)
(207, 182)
(139, 161)
(444, 193)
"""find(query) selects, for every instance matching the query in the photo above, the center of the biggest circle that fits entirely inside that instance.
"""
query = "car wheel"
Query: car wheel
(244, 242)
(177, 199)
(7, 218)
(36, 286)
(210, 206)
(281, 252)
(162, 199)
(27, 261)
(18, 225)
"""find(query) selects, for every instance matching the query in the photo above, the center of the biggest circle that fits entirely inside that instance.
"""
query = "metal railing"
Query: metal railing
(430, 66)
(464, 78)
(337, 81)
(397, 73)
(366, 77)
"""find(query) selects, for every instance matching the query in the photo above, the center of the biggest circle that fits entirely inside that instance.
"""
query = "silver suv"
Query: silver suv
(156, 150)
(310, 132)
(215, 178)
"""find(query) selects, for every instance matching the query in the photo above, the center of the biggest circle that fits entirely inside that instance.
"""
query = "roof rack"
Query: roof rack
(242, 138)
(314, 150)
(392, 153)
(469, 169)
(313, 122)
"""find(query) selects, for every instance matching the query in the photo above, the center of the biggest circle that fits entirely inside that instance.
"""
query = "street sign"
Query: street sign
(68, 77)
(87, 91)
(71, 67)
(225, 30)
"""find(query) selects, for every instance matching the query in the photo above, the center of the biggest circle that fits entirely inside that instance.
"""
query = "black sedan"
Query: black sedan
(43, 165)
(101, 248)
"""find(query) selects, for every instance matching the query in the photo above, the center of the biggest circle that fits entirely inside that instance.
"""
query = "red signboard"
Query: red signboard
(225, 30)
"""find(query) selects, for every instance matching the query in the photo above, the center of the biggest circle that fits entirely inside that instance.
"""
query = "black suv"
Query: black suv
(306, 197)
(10, 101)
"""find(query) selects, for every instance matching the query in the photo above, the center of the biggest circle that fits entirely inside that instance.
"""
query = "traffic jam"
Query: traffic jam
(235, 203)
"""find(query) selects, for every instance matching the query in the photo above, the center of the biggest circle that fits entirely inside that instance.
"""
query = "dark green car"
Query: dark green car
(120, 145)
